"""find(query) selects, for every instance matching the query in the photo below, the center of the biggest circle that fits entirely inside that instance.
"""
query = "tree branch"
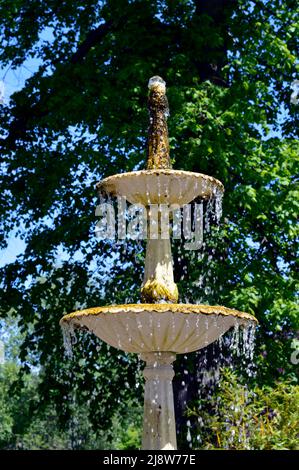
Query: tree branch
(94, 37)
(39, 110)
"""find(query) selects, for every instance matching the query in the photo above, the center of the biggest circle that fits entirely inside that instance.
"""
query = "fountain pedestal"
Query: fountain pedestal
(157, 332)
(159, 431)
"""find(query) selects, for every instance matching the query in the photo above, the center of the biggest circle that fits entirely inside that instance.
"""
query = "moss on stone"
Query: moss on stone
(155, 292)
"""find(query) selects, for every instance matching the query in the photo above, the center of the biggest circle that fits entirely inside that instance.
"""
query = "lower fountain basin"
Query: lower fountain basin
(141, 328)
(161, 186)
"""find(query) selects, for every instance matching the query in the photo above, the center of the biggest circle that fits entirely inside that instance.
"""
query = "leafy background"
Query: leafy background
(81, 115)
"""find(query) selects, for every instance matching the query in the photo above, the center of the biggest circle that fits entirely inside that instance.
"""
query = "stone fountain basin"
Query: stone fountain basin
(141, 328)
(161, 186)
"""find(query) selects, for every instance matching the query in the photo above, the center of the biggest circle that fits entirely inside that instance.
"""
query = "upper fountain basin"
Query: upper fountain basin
(161, 186)
(141, 328)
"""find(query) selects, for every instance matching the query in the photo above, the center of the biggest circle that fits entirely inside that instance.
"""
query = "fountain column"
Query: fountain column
(159, 432)
(158, 284)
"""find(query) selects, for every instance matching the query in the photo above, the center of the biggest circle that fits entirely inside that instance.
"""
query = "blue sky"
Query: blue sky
(13, 81)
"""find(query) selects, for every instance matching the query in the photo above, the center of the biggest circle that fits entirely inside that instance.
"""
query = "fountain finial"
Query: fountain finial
(158, 144)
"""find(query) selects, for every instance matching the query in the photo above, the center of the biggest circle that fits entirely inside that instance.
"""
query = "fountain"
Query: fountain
(159, 327)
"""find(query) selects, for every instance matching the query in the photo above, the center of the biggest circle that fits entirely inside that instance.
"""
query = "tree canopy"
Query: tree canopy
(82, 115)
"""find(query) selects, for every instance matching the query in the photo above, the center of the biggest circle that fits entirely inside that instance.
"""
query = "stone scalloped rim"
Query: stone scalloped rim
(159, 308)
(110, 179)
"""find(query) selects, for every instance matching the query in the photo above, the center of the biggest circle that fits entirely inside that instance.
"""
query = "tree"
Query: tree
(23, 426)
(82, 116)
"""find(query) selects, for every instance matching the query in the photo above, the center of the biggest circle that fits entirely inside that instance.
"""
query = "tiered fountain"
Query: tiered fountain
(159, 327)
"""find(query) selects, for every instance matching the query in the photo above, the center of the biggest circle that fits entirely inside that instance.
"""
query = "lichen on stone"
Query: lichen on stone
(158, 142)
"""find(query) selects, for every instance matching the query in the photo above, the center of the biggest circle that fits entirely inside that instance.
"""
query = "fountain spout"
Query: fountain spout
(158, 144)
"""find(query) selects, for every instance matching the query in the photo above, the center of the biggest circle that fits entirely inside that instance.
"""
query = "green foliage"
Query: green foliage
(20, 428)
(82, 116)
(262, 418)
(23, 425)
(130, 440)
(6, 419)
(127, 430)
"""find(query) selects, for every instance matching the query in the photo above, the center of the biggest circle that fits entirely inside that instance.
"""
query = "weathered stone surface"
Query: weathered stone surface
(139, 328)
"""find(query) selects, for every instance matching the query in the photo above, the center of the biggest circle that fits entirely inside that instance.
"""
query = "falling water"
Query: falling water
(202, 288)
(243, 337)
(236, 346)
(69, 338)
(218, 205)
